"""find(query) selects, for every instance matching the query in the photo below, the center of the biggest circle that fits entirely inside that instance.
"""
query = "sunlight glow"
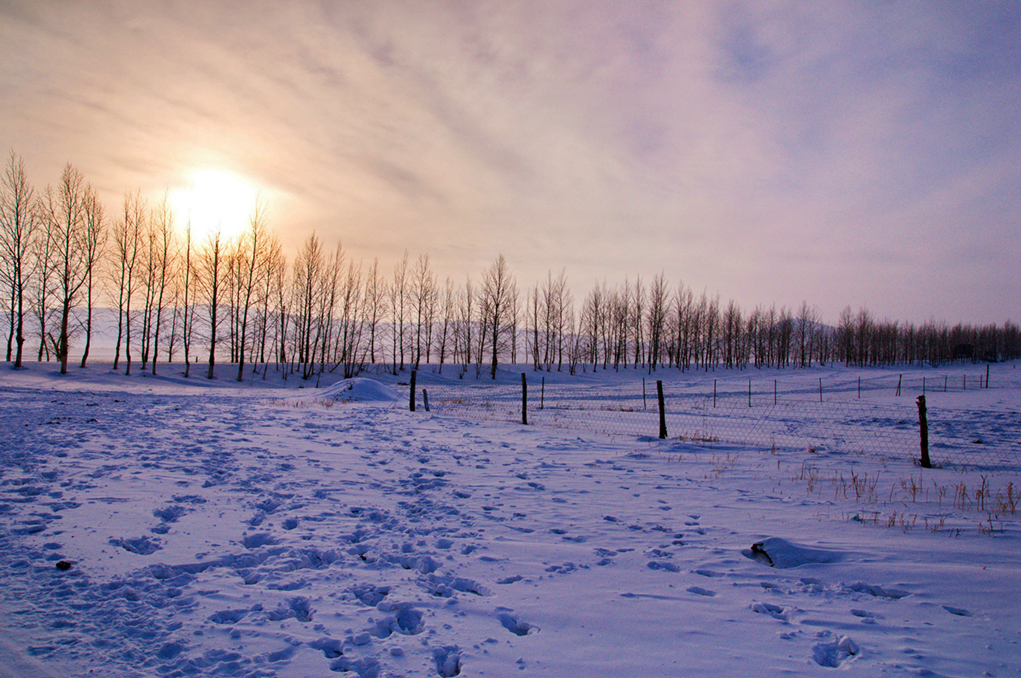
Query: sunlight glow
(215, 200)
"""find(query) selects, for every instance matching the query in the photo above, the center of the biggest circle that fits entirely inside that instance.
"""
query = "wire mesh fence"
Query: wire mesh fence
(795, 419)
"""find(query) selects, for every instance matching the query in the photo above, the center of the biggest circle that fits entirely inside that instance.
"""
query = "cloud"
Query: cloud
(774, 151)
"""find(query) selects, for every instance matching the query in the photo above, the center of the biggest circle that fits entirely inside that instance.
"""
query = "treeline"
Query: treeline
(239, 299)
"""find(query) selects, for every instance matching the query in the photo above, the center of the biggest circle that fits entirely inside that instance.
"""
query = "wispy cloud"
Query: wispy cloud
(844, 153)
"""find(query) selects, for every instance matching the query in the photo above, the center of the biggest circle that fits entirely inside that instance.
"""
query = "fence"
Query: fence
(828, 421)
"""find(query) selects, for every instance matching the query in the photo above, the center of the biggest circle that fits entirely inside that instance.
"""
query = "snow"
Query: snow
(269, 528)
(360, 390)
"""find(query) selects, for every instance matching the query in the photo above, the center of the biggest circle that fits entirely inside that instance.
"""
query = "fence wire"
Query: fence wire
(794, 421)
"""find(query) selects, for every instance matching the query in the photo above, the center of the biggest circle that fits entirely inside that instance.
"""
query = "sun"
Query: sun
(214, 201)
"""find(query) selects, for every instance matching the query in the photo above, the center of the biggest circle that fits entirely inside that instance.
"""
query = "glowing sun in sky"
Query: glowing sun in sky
(215, 200)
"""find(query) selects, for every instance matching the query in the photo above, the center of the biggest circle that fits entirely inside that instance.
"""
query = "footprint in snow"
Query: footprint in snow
(833, 653)
(254, 541)
(662, 565)
(774, 611)
(699, 591)
(170, 513)
(866, 616)
(448, 660)
(143, 546)
(515, 626)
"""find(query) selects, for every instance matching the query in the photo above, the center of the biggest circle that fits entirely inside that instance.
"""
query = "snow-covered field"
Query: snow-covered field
(217, 529)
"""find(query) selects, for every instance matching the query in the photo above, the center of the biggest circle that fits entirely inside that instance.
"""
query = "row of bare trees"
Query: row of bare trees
(239, 299)
(51, 244)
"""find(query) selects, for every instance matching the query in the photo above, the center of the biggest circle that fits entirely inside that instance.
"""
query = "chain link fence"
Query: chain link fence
(823, 420)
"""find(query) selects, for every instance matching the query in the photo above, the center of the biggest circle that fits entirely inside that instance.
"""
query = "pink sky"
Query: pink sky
(839, 153)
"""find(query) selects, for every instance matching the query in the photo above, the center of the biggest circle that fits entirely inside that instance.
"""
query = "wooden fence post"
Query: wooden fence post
(923, 430)
(412, 396)
(425, 399)
(524, 399)
(542, 394)
(662, 410)
(987, 376)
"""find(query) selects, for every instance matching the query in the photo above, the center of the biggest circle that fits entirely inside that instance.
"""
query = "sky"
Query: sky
(839, 153)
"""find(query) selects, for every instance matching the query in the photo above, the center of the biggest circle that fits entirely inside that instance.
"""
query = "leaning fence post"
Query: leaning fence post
(524, 399)
(900, 378)
(923, 430)
(425, 399)
(412, 396)
(662, 410)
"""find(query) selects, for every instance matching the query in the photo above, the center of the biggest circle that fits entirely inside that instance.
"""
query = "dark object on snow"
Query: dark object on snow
(759, 553)
(923, 432)
(63, 565)
(780, 553)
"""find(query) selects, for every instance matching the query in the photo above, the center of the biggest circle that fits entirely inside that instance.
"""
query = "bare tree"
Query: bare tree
(19, 227)
(252, 249)
(375, 307)
(534, 317)
(188, 287)
(423, 293)
(498, 290)
(398, 310)
(732, 330)
(282, 300)
(127, 243)
(465, 321)
(656, 320)
(271, 264)
(635, 321)
(94, 242)
(43, 289)
(161, 256)
(308, 291)
(211, 269)
(804, 333)
(352, 322)
(448, 323)
(67, 220)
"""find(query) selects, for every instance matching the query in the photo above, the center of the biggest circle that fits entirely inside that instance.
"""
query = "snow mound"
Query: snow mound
(360, 390)
(777, 552)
